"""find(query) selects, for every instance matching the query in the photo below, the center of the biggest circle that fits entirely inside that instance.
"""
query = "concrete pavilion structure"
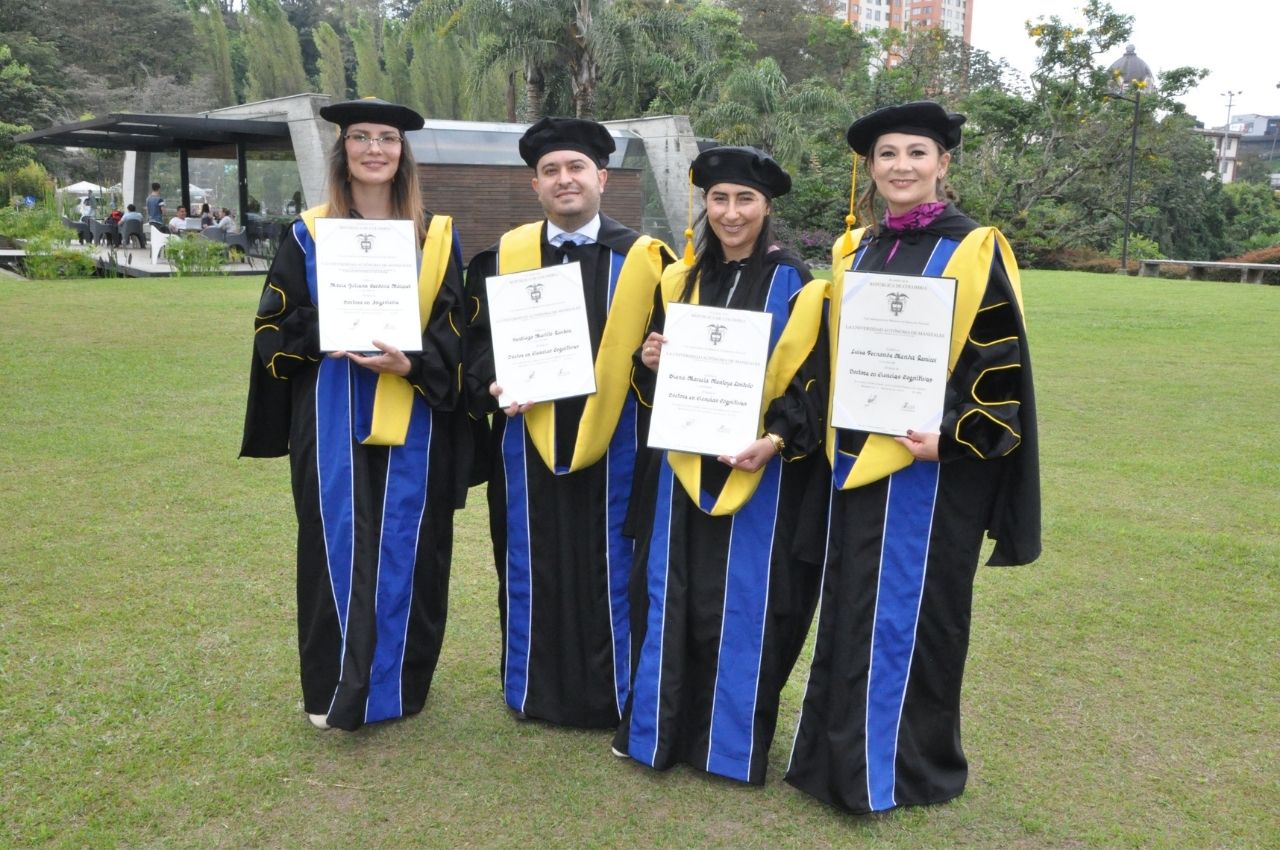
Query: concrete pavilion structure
(469, 170)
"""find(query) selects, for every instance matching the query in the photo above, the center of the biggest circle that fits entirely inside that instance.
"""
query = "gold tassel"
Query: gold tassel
(688, 231)
(852, 218)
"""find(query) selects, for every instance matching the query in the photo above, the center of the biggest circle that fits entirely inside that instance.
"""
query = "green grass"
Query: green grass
(1120, 693)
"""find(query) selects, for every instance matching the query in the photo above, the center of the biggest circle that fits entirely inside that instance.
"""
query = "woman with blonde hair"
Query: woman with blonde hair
(880, 724)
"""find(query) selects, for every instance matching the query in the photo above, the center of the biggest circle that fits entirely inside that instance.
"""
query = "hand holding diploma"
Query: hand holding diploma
(651, 351)
(753, 457)
(922, 446)
(391, 360)
(513, 409)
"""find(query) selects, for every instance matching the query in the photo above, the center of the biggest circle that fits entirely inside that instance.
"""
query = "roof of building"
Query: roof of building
(156, 133)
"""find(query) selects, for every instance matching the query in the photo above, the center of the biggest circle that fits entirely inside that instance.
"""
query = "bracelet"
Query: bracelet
(778, 443)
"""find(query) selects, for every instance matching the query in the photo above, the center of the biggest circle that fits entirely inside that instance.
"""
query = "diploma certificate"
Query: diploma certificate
(541, 343)
(367, 284)
(892, 351)
(710, 380)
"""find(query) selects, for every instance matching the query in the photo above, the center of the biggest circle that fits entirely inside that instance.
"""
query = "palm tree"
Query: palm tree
(514, 34)
(579, 41)
(757, 107)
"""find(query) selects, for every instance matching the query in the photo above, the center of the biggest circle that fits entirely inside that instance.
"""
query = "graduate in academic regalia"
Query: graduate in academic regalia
(378, 445)
(560, 472)
(880, 724)
(730, 554)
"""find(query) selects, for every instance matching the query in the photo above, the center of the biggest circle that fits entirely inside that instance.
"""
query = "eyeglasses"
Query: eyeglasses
(364, 140)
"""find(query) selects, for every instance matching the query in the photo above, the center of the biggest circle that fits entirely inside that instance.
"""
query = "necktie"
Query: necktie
(568, 243)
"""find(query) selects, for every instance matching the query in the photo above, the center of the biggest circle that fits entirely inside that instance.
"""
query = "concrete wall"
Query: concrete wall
(671, 148)
(312, 136)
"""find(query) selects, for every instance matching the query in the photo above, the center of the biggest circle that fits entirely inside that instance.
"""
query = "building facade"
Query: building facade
(1226, 152)
(953, 16)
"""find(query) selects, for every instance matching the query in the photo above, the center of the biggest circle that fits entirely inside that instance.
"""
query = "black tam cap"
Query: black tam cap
(747, 166)
(373, 110)
(566, 134)
(919, 118)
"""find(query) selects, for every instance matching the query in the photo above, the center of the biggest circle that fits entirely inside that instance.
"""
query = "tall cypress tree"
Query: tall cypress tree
(273, 52)
(330, 65)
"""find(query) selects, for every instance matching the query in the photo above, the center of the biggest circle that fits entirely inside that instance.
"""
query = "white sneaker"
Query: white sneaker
(320, 721)
(619, 753)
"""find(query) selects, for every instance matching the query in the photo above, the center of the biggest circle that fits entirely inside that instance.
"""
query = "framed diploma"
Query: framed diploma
(367, 284)
(710, 380)
(541, 344)
(892, 350)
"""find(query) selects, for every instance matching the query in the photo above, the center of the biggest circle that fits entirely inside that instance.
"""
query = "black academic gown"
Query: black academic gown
(562, 558)
(375, 523)
(880, 725)
(722, 604)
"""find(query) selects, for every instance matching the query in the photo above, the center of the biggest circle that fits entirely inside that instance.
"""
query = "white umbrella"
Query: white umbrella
(84, 187)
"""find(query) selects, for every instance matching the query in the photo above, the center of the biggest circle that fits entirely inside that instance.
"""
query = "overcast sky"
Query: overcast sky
(1237, 40)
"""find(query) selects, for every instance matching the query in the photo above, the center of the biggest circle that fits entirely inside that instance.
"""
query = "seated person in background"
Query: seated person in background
(178, 223)
(131, 215)
(115, 216)
(206, 217)
(228, 221)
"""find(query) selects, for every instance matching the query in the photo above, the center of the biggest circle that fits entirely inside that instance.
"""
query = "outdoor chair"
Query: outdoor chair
(132, 229)
(159, 240)
(105, 232)
(215, 234)
(239, 241)
(81, 229)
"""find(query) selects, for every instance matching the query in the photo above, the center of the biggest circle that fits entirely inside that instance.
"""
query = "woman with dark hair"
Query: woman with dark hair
(724, 583)
(206, 216)
(880, 725)
(376, 443)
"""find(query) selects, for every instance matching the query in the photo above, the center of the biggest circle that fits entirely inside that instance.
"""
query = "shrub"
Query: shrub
(813, 246)
(1262, 255)
(48, 259)
(23, 223)
(1076, 259)
(193, 256)
(1140, 248)
(30, 179)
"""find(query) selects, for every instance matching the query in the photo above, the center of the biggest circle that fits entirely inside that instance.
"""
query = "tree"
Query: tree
(397, 43)
(577, 43)
(371, 81)
(1046, 167)
(516, 35)
(273, 52)
(211, 28)
(448, 81)
(331, 70)
(1253, 217)
(757, 107)
(780, 30)
(22, 99)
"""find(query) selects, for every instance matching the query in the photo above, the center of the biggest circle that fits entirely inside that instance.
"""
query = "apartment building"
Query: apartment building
(954, 16)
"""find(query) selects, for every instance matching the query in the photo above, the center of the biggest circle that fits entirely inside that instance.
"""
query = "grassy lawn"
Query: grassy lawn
(1120, 693)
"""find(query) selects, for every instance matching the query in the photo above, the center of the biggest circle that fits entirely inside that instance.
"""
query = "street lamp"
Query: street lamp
(1129, 73)
(1230, 96)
